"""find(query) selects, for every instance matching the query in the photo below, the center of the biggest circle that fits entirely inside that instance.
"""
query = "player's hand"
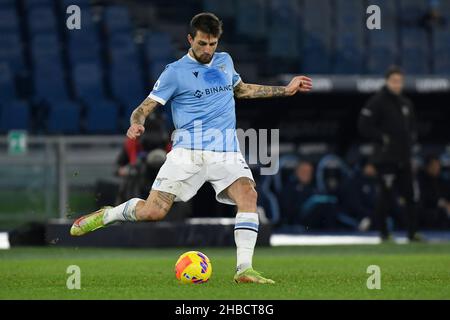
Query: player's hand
(299, 84)
(135, 130)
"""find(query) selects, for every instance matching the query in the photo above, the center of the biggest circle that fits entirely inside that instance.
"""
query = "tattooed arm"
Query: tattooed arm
(138, 117)
(251, 91)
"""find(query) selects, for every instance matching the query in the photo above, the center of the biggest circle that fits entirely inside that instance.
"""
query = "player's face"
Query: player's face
(395, 83)
(203, 46)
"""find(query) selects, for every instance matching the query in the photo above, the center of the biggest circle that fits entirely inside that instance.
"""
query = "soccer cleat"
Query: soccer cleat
(88, 223)
(251, 276)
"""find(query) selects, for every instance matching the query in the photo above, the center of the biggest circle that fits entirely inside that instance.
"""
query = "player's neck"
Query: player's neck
(192, 57)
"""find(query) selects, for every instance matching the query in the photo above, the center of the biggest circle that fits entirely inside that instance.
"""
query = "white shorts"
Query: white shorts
(185, 171)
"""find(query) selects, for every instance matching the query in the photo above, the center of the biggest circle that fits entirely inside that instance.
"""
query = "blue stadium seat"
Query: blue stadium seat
(63, 117)
(382, 50)
(84, 45)
(88, 81)
(116, 19)
(284, 29)
(412, 10)
(158, 46)
(7, 4)
(102, 117)
(317, 16)
(442, 61)
(8, 20)
(46, 47)
(282, 46)
(224, 9)
(126, 85)
(15, 115)
(415, 50)
(251, 18)
(122, 47)
(415, 61)
(382, 39)
(315, 54)
(7, 88)
(379, 59)
(156, 67)
(41, 20)
(31, 4)
(315, 62)
(11, 51)
(348, 60)
(49, 82)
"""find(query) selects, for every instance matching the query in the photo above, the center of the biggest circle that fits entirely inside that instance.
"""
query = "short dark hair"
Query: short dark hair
(393, 70)
(206, 22)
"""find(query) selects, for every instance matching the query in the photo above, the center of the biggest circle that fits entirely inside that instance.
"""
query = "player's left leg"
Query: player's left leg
(243, 193)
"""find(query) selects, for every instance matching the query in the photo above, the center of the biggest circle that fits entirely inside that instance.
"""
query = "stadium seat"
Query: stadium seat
(101, 117)
(224, 9)
(155, 69)
(41, 20)
(415, 61)
(122, 48)
(412, 10)
(15, 115)
(49, 82)
(251, 18)
(442, 61)
(117, 19)
(63, 117)
(7, 4)
(7, 88)
(31, 4)
(158, 46)
(88, 81)
(84, 45)
(415, 57)
(9, 21)
(46, 47)
(379, 59)
(348, 60)
(11, 51)
(126, 85)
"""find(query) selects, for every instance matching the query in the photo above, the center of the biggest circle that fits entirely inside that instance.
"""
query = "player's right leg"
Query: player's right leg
(155, 208)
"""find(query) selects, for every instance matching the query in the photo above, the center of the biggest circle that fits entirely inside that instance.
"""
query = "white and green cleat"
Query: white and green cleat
(251, 276)
(88, 223)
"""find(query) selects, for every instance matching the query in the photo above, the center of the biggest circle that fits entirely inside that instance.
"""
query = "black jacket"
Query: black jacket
(388, 120)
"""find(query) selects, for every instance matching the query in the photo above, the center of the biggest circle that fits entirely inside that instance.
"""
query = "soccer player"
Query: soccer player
(201, 87)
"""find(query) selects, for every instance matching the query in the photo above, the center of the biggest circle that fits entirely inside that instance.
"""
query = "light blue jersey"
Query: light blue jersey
(202, 101)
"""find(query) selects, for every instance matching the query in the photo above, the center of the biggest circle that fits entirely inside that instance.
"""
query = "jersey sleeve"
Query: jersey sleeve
(165, 86)
(236, 76)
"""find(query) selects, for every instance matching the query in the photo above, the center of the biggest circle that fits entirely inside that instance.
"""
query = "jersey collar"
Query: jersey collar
(193, 59)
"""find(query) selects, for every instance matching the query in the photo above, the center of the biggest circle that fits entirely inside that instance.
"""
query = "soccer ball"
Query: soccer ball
(193, 267)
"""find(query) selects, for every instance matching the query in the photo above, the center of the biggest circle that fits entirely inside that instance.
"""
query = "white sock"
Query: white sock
(245, 234)
(123, 212)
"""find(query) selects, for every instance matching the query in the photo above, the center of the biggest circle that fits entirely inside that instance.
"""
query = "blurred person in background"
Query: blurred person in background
(296, 193)
(388, 120)
(357, 195)
(434, 195)
(140, 159)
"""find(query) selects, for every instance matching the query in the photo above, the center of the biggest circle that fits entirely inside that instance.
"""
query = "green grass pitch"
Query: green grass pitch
(415, 271)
